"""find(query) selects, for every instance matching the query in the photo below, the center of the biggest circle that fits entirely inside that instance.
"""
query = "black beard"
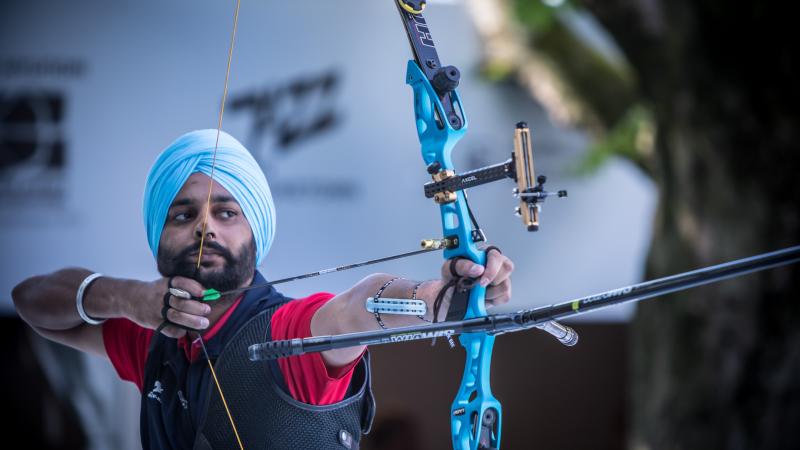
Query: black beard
(233, 275)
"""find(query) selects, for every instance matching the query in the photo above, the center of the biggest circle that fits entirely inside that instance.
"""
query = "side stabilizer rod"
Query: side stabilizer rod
(532, 318)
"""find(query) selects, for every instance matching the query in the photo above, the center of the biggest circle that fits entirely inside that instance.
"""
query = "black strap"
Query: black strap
(437, 304)
(377, 296)
(490, 248)
(460, 298)
(453, 263)
(463, 286)
(165, 309)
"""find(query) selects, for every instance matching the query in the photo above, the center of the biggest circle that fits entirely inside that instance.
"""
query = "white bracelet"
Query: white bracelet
(79, 299)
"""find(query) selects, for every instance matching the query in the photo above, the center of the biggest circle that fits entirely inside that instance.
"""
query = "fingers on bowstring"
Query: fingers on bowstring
(168, 329)
(189, 285)
(189, 321)
(182, 314)
(189, 306)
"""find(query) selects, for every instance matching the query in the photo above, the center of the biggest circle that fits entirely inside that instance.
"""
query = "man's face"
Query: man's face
(228, 257)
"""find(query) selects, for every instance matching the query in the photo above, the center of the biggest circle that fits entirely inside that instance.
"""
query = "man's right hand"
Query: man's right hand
(47, 304)
(146, 310)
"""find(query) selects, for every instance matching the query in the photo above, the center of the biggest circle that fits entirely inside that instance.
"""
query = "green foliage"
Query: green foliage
(604, 85)
(606, 88)
(632, 137)
(497, 71)
(537, 16)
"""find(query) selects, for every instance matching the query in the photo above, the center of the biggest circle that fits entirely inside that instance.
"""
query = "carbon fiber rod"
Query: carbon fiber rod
(663, 286)
(526, 319)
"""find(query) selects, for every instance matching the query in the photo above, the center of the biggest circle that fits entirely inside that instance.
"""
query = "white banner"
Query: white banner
(91, 91)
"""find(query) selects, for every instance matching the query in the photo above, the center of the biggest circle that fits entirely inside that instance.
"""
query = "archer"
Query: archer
(210, 222)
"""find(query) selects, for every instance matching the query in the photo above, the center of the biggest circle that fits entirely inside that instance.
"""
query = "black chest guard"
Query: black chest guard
(269, 418)
(181, 407)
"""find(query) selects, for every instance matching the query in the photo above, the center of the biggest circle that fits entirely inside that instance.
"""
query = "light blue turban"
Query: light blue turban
(235, 170)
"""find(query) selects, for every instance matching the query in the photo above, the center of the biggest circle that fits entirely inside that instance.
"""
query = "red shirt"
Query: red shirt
(307, 377)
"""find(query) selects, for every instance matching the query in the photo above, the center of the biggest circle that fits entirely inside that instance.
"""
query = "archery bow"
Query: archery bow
(475, 414)
(441, 122)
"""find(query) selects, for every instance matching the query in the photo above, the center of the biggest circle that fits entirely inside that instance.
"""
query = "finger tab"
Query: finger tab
(180, 293)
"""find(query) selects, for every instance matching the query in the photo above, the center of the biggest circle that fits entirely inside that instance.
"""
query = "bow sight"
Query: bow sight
(519, 168)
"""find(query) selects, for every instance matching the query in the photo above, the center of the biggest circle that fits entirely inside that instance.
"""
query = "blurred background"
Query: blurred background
(673, 125)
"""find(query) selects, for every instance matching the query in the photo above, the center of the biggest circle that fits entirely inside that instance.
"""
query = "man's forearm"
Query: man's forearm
(48, 301)
(427, 291)
(347, 313)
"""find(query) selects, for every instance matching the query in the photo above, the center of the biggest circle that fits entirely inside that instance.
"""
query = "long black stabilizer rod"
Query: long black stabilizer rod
(537, 317)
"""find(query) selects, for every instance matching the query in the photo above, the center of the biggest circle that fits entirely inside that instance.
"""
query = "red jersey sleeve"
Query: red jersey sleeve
(307, 377)
(126, 345)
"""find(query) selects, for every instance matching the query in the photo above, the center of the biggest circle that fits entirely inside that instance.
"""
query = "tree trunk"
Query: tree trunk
(717, 367)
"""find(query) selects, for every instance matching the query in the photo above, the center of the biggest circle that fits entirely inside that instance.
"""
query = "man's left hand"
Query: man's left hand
(495, 277)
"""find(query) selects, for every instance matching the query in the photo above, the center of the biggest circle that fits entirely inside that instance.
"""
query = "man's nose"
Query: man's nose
(204, 226)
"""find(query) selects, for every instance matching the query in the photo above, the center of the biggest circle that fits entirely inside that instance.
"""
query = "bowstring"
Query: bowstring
(219, 130)
(208, 209)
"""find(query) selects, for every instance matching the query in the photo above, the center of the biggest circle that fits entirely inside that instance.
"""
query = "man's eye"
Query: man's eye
(182, 217)
(227, 214)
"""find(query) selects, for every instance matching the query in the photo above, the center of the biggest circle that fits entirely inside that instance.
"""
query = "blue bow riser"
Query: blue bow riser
(474, 398)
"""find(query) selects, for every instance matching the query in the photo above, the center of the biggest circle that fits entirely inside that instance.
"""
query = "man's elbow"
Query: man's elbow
(30, 300)
(21, 296)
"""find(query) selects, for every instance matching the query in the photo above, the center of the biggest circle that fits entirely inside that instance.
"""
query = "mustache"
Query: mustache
(195, 248)
(233, 273)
